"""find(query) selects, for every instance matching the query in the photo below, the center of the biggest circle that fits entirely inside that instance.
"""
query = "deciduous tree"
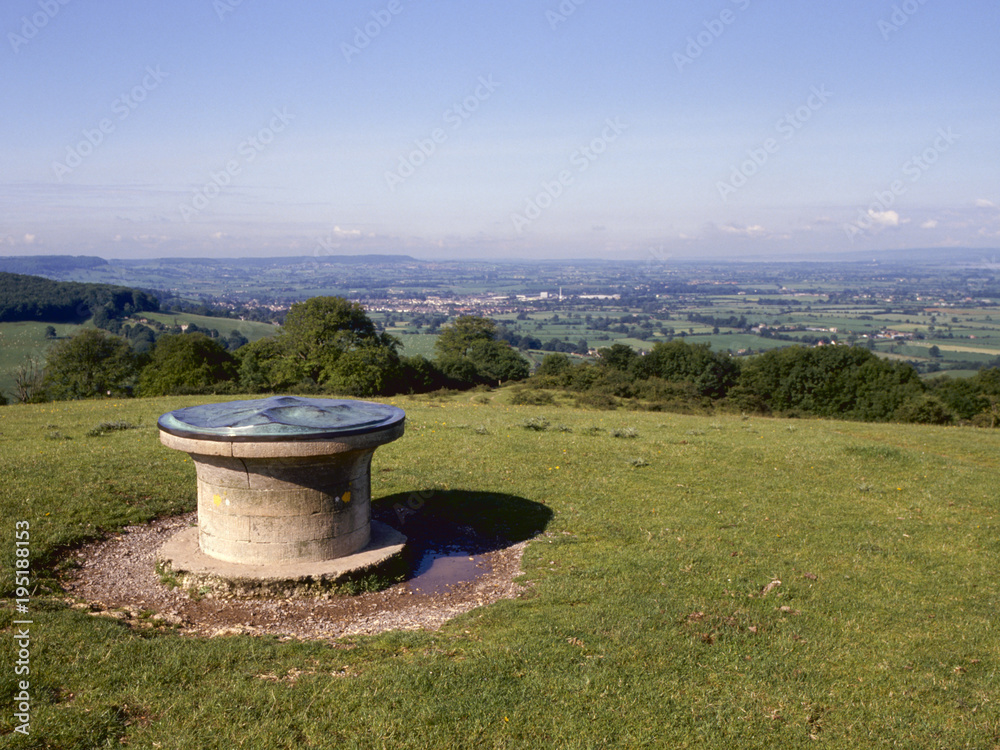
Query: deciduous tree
(457, 338)
(91, 364)
(189, 363)
(318, 331)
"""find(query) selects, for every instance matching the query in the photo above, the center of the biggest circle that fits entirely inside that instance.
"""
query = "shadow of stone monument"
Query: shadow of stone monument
(442, 523)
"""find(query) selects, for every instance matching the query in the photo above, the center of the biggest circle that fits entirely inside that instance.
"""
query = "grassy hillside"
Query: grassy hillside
(416, 343)
(644, 624)
(253, 330)
(21, 340)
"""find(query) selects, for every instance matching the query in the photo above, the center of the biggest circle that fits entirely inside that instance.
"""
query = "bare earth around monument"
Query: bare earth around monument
(284, 519)
(116, 578)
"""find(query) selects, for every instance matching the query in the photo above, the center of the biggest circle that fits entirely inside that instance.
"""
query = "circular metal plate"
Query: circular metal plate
(280, 418)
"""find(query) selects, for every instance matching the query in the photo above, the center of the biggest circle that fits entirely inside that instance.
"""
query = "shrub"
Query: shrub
(526, 397)
(91, 364)
(989, 419)
(832, 381)
(597, 401)
(925, 409)
(555, 366)
(442, 394)
(264, 367)
(539, 424)
(364, 371)
(189, 363)
(625, 432)
(105, 427)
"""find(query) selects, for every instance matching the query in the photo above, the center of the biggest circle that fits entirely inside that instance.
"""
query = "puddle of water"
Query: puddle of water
(440, 569)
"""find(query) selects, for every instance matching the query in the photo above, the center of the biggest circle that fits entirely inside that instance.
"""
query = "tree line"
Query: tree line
(33, 298)
(330, 345)
(843, 382)
(327, 345)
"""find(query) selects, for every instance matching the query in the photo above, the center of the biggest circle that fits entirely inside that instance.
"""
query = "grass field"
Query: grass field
(644, 623)
(253, 330)
(416, 343)
(18, 341)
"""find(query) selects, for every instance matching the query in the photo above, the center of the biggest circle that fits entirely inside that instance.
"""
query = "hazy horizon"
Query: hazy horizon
(552, 130)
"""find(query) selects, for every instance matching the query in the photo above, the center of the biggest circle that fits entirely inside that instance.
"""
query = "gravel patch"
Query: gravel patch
(117, 578)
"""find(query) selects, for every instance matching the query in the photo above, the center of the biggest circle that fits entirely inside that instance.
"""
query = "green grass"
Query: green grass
(644, 624)
(416, 343)
(21, 340)
(253, 330)
(734, 342)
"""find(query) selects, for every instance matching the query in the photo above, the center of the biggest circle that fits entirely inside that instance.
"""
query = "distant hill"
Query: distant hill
(34, 298)
(270, 262)
(923, 256)
(49, 265)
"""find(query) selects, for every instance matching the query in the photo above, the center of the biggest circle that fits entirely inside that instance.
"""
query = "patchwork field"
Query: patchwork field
(699, 582)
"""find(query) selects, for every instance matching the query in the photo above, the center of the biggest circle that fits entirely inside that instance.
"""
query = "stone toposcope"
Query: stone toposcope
(284, 492)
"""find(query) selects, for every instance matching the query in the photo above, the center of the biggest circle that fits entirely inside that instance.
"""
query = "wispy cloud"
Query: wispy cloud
(754, 230)
(886, 219)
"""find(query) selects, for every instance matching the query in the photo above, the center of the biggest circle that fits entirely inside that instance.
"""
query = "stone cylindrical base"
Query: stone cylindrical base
(278, 510)
(283, 502)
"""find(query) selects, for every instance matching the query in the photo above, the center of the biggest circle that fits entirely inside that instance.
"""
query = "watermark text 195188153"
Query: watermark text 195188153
(22, 627)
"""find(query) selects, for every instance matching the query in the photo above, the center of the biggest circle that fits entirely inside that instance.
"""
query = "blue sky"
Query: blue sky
(572, 128)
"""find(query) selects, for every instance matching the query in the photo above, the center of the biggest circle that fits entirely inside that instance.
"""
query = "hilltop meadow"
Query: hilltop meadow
(701, 581)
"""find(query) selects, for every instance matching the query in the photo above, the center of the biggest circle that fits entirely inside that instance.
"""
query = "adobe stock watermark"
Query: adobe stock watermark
(581, 159)
(414, 502)
(561, 13)
(786, 128)
(879, 212)
(364, 35)
(248, 151)
(224, 7)
(22, 627)
(453, 119)
(121, 108)
(330, 244)
(901, 14)
(714, 28)
(656, 258)
(33, 24)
